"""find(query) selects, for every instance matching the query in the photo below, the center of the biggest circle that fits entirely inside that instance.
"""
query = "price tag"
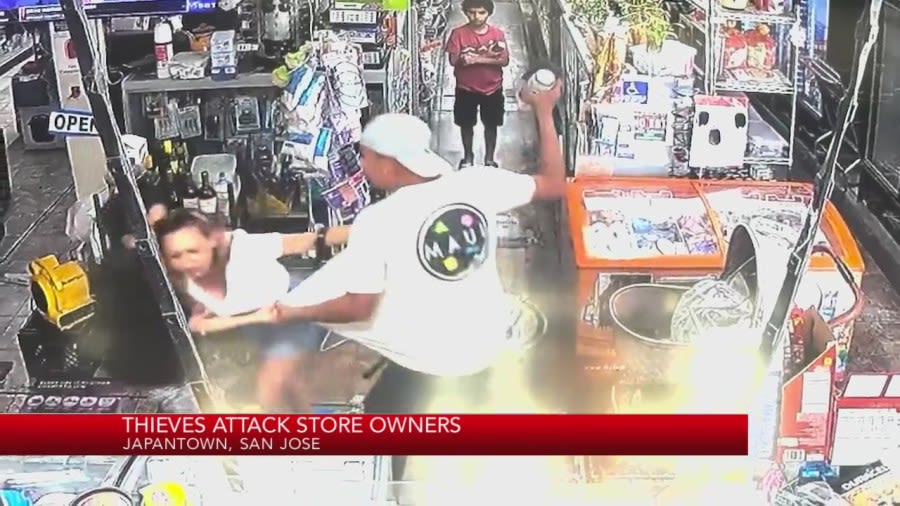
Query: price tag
(353, 17)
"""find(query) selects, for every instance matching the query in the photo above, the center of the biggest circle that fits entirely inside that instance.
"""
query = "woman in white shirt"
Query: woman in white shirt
(232, 279)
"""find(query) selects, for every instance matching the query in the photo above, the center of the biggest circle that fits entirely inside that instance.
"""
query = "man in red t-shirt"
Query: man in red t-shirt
(478, 54)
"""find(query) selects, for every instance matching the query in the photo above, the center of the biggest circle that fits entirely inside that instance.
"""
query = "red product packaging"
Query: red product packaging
(734, 54)
(807, 396)
(760, 48)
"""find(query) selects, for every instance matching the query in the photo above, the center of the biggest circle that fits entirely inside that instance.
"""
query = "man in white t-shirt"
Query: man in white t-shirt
(418, 281)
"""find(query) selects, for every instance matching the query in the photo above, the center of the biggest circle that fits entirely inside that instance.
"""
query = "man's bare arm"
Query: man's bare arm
(550, 182)
(348, 308)
(499, 59)
(299, 244)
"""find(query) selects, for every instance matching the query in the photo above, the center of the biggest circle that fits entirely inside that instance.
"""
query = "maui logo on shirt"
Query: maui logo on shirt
(453, 242)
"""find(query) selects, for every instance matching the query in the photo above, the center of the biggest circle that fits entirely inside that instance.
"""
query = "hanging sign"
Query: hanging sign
(72, 123)
(395, 5)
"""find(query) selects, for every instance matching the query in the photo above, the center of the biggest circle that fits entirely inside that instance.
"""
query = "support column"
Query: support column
(87, 163)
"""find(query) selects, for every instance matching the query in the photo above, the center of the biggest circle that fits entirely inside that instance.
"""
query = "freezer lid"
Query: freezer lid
(762, 264)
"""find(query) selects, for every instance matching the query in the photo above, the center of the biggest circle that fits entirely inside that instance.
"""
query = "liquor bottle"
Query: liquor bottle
(221, 188)
(170, 186)
(190, 198)
(206, 195)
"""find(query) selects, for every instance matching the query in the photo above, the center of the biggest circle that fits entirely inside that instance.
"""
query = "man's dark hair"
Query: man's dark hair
(487, 5)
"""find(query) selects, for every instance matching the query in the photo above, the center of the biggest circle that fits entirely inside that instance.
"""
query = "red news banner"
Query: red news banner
(35, 434)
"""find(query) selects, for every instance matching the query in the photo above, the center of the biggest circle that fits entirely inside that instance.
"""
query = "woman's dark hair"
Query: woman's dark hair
(487, 5)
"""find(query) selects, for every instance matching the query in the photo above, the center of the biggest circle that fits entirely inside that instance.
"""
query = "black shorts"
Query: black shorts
(467, 104)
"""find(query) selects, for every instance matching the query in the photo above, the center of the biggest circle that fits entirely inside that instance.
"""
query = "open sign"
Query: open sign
(72, 123)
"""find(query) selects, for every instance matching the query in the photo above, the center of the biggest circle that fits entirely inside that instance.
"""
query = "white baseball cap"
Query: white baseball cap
(407, 139)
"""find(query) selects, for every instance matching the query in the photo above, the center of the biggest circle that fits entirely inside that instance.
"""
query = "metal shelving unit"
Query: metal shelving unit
(783, 79)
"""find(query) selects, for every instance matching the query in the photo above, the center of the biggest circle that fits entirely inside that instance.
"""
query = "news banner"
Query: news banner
(95, 434)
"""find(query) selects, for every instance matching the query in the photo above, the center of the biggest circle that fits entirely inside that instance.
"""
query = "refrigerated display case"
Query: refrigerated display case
(674, 233)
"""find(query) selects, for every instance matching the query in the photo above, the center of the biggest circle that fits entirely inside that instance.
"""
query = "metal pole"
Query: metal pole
(96, 86)
(866, 37)
(415, 45)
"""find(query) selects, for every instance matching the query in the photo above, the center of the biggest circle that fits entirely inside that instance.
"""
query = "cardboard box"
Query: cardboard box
(807, 397)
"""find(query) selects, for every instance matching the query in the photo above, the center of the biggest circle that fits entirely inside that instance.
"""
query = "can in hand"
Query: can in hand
(540, 80)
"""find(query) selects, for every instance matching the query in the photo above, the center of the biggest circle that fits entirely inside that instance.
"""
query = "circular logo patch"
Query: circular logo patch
(453, 242)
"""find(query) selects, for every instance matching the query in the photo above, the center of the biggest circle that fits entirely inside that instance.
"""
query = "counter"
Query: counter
(665, 231)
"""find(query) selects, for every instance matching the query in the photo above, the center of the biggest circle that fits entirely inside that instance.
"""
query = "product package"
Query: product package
(872, 484)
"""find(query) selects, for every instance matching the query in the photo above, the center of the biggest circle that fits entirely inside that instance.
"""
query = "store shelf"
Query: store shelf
(13, 58)
(778, 84)
(689, 21)
(148, 84)
(764, 144)
(376, 76)
(261, 80)
(751, 15)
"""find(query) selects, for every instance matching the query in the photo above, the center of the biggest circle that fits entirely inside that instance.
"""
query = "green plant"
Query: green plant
(648, 21)
(592, 12)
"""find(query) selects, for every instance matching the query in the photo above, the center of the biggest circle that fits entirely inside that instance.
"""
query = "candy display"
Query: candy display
(648, 225)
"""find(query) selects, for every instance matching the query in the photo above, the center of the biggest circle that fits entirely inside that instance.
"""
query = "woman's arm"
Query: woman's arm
(206, 324)
(298, 244)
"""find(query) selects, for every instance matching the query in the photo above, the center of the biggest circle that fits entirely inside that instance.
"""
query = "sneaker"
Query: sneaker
(491, 163)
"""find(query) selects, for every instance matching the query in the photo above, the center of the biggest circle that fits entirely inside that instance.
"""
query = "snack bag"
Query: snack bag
(734, 54)
(760, 48)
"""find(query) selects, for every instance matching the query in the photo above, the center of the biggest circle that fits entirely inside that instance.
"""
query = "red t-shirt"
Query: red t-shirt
(478, 78)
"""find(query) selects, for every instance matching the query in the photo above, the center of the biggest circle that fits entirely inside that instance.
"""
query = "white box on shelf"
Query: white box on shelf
(352, 17)
(719, 135)
(674, 58)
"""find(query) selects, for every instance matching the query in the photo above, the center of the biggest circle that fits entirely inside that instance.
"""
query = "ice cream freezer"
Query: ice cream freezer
(672, 233)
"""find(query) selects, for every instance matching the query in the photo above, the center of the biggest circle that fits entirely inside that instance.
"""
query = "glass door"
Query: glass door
(885, 150)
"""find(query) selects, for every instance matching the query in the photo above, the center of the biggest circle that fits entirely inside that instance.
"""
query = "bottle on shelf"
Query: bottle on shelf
(221, 188)
(206, 196)
(235, 218)
(190, 197)
(162, 40)
(170, 186)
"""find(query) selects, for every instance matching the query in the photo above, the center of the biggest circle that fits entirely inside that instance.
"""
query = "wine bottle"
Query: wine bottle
(190, 199)
(234, 217)
(173, 197)
(206, 195)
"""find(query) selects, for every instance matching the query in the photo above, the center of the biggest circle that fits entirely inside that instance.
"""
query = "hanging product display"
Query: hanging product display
(322, 102)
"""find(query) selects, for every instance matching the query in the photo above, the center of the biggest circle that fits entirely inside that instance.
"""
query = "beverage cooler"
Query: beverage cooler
(663, 235)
